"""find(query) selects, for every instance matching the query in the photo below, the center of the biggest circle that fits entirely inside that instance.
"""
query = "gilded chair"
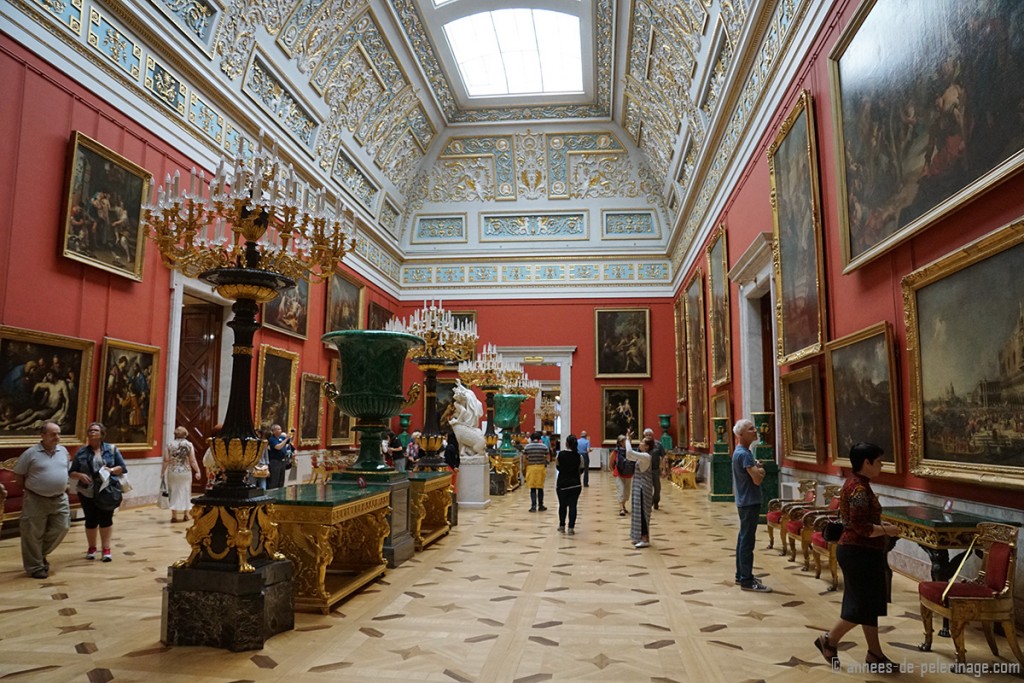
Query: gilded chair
(685, 474)
(801, 522)
(987, 598)
(779, 508)
(822, 549)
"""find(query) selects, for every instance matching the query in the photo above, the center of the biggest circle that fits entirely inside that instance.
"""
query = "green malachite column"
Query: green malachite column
(720, 489)
(764, 450)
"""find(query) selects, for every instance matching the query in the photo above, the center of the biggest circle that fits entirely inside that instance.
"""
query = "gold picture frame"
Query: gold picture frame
(679, 317)
(345, 309)
(311, 409)
(622, 342)
(125, 404)
(797, 257)
(339, 425)
(276, 386)
(863, 395)
(25, 409)
(719, 315)
(696, 364)
(963, 323)
(103, 224)
(803, 433)
(618, 414)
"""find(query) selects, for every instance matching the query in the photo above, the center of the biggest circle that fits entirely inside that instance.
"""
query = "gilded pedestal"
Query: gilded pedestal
(335, 537)
(430, 499)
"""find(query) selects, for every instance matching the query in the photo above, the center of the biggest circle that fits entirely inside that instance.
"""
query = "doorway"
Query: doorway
(199, 373)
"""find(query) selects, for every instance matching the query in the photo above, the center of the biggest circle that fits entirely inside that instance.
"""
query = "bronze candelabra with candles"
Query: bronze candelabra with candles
(490, 372)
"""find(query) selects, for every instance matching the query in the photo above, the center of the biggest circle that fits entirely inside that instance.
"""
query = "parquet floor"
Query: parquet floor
(503, 598)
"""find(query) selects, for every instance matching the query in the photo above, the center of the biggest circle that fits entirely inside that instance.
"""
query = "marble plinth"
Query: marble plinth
(231, 610)
(474, 488)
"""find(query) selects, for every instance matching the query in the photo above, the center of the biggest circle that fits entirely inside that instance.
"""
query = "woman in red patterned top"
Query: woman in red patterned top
(862, 555)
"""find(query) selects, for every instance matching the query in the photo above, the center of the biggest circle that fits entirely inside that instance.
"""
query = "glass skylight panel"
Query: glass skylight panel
(517, 52)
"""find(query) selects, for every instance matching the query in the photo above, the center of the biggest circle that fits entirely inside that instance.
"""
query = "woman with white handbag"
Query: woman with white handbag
(179, 468)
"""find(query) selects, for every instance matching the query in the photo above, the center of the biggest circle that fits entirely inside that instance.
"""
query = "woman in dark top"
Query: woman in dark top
(862, 555)
(568, 464)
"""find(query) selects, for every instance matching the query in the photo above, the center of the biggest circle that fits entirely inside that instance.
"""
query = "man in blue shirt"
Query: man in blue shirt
(583, 448)
(747, 475)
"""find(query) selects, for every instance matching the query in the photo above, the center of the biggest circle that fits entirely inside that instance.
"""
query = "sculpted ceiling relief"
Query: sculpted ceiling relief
(531, 166)
(236, 35)
(462, 180)
(313, 26)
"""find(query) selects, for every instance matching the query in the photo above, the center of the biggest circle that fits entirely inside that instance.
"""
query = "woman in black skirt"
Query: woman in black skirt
(862, 555)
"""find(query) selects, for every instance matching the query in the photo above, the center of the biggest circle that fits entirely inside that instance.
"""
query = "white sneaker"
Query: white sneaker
(642, 544)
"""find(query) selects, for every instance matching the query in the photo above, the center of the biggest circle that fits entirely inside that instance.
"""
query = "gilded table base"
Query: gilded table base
(430, 502)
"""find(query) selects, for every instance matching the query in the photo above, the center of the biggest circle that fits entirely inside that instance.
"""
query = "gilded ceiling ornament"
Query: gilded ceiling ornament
(236, 36)
(531, 165)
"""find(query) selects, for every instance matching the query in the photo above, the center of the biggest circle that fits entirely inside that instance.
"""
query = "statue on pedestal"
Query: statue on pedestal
(466, 421)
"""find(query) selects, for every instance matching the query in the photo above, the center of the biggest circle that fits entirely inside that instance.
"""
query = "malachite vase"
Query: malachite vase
(506, 416)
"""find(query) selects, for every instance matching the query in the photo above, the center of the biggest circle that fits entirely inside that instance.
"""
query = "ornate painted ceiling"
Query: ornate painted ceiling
(609, 188)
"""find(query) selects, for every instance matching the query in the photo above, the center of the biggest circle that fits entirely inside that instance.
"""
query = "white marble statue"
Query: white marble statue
(466, 421)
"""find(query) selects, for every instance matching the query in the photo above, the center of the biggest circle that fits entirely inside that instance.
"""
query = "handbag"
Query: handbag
(833, 531)
(109, 497)
(261, 471)
(126, 486)
(625, 467)
(163, 501)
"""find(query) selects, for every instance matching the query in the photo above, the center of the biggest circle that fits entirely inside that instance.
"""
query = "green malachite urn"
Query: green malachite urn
(506, 416)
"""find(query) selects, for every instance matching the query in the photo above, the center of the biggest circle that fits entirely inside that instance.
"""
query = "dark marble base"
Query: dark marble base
(453, 511)
(499, 484)
(226, 609)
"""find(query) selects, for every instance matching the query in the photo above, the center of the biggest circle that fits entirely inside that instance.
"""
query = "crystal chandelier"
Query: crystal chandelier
(448, 340)
(254, 215)
(526, 387)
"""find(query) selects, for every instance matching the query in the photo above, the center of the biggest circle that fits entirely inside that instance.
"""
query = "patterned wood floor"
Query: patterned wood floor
(505, 597)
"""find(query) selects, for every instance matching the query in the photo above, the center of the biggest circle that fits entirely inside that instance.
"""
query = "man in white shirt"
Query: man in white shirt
(42, 471)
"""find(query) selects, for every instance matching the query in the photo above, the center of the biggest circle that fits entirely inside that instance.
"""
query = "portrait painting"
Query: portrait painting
(276, 382)
(927, 128)
(622, 411)
(803, 434)
(311, 409)
(863, 395)
(445, 404)
(622, 338)
(339, 424)
(377, 316)
(45, 378)
(696, 363)
(797, 258)
(288, 312)
(103, 220)
(126, 393)
(679, 316)
(718, 308)
(344, 304)
(965, 341)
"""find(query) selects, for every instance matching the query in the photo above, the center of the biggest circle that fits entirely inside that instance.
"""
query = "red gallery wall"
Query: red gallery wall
(872, 293)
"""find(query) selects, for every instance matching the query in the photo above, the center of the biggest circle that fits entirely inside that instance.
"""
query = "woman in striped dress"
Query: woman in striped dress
(643, 493)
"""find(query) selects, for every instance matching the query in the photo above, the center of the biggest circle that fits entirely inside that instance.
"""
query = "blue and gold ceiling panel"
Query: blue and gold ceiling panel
(66, 14)
(516, 227)
(619, 225)
(107, 38)
(165, 86)
(195, 18)
(440, 230)
(205, 118)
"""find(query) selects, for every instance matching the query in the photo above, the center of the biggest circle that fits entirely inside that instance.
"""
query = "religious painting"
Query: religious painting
(311, 409)
(289, 311)
(276, 386)
(797, 257)
(445, 403)
(43, 378)
(622, 338)
(377, 316)
(863, 396)
(965, 342)
(339, 424)
(696, 363)
(718, 308)
(680, 328)
(622, 410)
(925, 129)
(803, 434)
(103, 221)
(344, 304)
(127, 408)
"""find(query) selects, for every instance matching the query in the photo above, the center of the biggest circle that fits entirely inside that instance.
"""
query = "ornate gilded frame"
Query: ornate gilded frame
(959, 310)
(125, 408)
(18, 347)
(377, 316)
(797, 257)
(276, 359)
(678, 309)
(311, 409)
(719, 322)
(608, 323)
(611, 397)
(334, 318)
(798, 387)
(852, 364)
(697, 365)
(339, 425)
(271, 311)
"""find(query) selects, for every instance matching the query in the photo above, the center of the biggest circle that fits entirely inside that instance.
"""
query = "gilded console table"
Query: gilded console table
(334, 535)
(431, 497)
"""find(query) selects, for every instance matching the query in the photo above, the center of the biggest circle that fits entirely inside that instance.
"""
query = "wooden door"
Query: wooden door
(199, 375)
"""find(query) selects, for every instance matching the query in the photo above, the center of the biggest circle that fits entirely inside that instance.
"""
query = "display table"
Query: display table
(430, 500)
(335, 536)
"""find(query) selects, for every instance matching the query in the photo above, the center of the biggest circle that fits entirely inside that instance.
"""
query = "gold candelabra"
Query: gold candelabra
(489, 369)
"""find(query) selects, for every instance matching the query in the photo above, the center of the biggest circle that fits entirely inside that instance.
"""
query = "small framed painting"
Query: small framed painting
(311, 409)
(126, 394)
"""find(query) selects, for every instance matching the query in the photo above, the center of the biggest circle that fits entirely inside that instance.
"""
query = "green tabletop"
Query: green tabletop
(933, 517)
(320, 495)
(427, 476)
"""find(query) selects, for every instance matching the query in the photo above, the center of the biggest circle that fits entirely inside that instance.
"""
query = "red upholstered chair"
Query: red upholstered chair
(987, 598)
(779, 508)
(801, 523)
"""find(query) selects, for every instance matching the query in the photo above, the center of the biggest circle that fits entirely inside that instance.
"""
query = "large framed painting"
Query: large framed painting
(696, 363)
(803, 433)
(311, 409)
(289, 311)
(103, 220)
(344, 304)
(965, 342)
(925, 129)
(622, 410)
(377, 316)
(863, 396)
(276, 386)
(797, 258)
(339, 425)
(718, 308)
(622, 337)
(43, 377)
(126, 393)
(445, 403)
(680, 329)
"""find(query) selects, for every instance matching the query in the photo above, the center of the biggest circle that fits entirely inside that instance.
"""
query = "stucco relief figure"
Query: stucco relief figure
(466, 421)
